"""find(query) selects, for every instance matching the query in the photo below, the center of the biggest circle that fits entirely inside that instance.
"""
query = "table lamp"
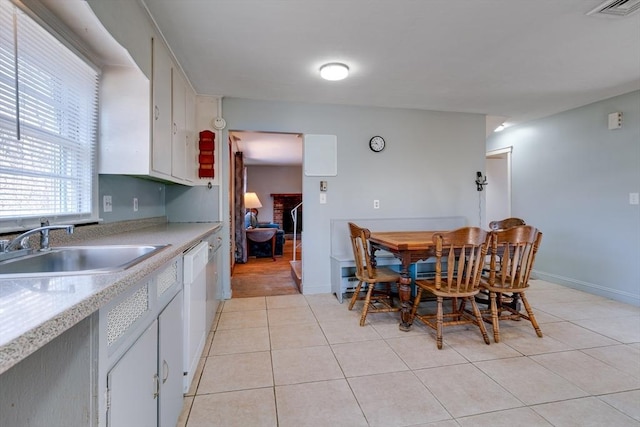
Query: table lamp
(251, 201)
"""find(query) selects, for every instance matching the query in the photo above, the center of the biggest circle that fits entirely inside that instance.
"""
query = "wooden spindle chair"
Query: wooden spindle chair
(375, 300)
(462, 253)
(513, 252)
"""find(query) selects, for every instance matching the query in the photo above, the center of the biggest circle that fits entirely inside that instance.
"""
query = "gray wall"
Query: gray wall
(178, 203)
(192, 204)
(267, 180)
(427, 168)
(571, 179)
(122, 189)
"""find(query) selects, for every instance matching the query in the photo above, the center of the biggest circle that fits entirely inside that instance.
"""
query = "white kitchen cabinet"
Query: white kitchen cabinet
(182, 129)
(140, 352)
(139, 142)
(133, 384)
(214, 291)
(145, 385)
(161, 92)
(170, 363)
(191, 158)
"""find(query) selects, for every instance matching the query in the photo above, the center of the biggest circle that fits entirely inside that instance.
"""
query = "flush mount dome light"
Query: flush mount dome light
(334, 71)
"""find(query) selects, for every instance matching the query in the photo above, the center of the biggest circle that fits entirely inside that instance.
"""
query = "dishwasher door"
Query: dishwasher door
(195, 300)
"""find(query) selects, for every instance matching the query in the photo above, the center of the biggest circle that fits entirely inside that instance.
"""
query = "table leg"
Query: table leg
(404, 291)
(273, 247)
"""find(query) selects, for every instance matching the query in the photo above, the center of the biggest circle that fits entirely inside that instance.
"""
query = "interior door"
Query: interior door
(498, 191)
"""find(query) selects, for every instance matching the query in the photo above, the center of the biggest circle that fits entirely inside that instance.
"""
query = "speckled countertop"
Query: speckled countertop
(34, 311)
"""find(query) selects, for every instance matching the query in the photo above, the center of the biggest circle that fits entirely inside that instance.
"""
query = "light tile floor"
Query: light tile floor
(299, 360)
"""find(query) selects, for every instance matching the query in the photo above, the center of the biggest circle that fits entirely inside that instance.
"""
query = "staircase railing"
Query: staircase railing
(294, 217)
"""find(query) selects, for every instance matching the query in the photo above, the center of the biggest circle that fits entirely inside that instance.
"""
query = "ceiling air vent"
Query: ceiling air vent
(616, 8)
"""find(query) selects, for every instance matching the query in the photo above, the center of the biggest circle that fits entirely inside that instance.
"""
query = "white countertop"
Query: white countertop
(34, 311)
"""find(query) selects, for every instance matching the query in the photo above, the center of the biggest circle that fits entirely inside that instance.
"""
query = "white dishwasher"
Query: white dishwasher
(195, 306)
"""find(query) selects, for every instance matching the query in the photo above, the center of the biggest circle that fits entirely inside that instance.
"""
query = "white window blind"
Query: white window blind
(48, 124)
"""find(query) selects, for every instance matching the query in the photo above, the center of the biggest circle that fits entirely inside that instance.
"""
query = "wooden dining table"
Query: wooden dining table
(409, 247)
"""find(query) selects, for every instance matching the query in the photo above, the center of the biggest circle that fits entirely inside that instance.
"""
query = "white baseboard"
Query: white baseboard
(318, 289)
(592, 288)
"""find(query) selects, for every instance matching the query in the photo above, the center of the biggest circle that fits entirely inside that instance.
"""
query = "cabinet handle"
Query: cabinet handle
(156, 112)
(156, 386)
(175, 128)
(165, 371)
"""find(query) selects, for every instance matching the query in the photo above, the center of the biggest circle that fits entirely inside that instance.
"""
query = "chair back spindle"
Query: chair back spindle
(516, 248)
(462, 272)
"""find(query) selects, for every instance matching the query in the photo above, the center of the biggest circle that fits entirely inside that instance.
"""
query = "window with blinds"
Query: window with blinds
(48, 125)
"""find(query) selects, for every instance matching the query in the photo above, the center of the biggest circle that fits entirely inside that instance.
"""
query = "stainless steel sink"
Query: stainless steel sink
(61, 261)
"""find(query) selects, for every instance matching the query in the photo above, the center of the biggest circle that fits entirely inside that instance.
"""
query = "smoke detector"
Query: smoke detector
(616, 8)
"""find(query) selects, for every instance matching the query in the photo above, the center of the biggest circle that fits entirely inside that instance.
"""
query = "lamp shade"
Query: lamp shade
(251, 201)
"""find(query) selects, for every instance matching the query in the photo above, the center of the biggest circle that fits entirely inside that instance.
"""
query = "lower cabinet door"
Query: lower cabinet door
(133, 384)
(170, 362)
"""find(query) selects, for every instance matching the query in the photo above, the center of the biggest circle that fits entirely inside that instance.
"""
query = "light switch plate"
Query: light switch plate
(323, 198)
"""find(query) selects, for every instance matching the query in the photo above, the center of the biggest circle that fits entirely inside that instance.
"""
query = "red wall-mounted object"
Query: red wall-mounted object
(206, 158)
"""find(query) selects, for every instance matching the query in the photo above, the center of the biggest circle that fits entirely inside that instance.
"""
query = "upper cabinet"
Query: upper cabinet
(183, 159)
(148, 125)
(161, 72)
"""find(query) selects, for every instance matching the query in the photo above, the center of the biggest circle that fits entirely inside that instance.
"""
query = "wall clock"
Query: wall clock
(219, 123)
(376, 144)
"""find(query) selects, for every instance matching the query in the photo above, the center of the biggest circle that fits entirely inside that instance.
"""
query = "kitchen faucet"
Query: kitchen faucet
(23, 240)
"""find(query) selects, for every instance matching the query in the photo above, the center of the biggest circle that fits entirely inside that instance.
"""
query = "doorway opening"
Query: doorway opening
(498, 192)
(271, 167)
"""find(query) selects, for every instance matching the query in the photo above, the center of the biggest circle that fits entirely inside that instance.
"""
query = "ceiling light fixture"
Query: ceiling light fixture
(334, 71)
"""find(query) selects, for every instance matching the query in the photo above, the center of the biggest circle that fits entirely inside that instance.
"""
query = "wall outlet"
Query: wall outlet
(634, 198)
(107, 206)
(135, 204)
(376, 204)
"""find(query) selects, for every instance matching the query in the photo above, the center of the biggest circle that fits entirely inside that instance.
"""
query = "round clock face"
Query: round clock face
(219, 123)
(376, 144)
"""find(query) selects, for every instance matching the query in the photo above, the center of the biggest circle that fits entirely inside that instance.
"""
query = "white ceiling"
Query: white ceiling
(520, 59)
(513, 59)
(509, 59)
(268, 148)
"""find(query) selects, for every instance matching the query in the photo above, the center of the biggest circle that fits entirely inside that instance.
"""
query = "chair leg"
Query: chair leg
(354, 297)
(416, 303)
(532, 318)
(479, 321)
(494, 316)
(439, 322)
(367, 301)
